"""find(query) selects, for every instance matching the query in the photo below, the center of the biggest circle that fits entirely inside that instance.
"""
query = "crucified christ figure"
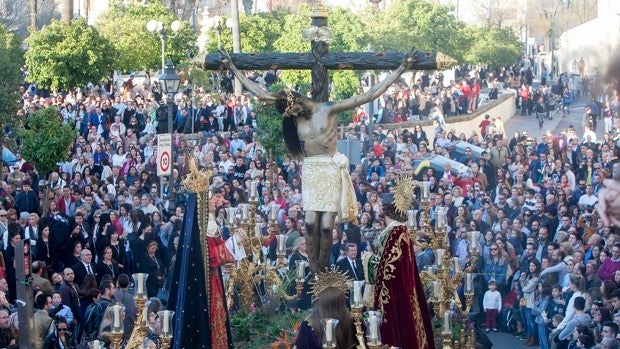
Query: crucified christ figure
(310, 133)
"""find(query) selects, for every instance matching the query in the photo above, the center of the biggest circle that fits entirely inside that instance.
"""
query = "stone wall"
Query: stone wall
(503, 107)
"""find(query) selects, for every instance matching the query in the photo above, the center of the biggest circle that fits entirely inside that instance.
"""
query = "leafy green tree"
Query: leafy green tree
(494, 47)
(425, 25)
(11, 58)
(136, 47)
(257, 32)
(269, 126)
(45, 140)
(62, 56)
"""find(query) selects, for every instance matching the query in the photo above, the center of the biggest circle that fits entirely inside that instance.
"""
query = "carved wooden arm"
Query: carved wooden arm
(377, 90)
(253, 87)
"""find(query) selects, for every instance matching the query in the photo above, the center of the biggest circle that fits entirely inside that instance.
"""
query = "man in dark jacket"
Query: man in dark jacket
(27, 200)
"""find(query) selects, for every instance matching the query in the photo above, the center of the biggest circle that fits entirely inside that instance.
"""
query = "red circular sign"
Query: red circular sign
(164, 161)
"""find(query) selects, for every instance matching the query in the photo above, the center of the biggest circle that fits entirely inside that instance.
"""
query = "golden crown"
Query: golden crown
(196, 181)
(403, 194)
(329, 278)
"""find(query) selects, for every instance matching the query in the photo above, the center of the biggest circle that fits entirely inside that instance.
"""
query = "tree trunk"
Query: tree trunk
(33, 13)
(67, 11)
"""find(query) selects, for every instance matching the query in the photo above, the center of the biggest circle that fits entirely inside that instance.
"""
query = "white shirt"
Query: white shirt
(492, 300)
(587, 200)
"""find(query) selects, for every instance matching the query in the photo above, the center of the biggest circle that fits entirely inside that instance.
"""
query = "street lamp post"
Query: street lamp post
(218, 23)
(155, 26)
(170, 81)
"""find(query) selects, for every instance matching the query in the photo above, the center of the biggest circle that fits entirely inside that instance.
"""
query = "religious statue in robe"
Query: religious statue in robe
(398, 289)
(197, 294)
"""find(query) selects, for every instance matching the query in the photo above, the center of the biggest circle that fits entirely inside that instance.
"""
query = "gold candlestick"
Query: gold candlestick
(117, 339)
(165, 342)
(447, 340)
(140, 329)
(359, 332)
(299, 287)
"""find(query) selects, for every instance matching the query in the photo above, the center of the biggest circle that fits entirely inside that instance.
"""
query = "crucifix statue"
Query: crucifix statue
(310, 125)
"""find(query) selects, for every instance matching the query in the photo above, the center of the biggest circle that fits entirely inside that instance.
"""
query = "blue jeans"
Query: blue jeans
(528, 322)
(543, 336)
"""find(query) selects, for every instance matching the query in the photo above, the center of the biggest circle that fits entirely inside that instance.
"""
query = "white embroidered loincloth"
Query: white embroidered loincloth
(322, 179)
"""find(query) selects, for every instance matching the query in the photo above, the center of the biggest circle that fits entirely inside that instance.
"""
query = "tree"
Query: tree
(13, 14)
(258, 33)
(45, 140)
(67, 11)
(64, 56)
(269, 130)
(11, 58)
(34, 4)
(422, 24)
(494, 47)
(496, 13)
(137, 48)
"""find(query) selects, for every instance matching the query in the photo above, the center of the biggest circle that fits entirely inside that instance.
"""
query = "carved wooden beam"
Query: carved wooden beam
(332, 60)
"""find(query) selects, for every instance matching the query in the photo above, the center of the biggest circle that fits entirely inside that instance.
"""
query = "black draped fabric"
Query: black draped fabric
(188, 294)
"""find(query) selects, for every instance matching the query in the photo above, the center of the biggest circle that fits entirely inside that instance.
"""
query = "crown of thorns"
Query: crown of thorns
(290, 102)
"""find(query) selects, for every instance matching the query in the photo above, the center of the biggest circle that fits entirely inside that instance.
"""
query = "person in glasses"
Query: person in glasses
(61, 337)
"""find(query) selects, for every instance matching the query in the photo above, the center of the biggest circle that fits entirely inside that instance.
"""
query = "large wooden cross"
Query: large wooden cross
(320, 59)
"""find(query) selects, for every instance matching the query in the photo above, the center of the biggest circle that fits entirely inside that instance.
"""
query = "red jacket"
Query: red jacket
(475, 90)
(466, 90)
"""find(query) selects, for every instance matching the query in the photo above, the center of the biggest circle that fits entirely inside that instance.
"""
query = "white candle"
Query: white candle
(166, 321)
(273, 210)
(301, 270)
(469, 282)
(231, 215)
(281, 243)
(457, 267)
(245, 212)
(357, 292)
(257, 232)
(140, 283)
(253, 189)
(374, 333)
(440, 218)
(96, 344)
(429, 269)
(329, 330)
(440, 254)
(117, 316)
(474, 240)
(425, 190)
(411, 219)
(446, 321)
(436, 289)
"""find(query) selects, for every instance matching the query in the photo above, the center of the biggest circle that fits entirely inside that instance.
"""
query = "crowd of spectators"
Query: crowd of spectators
(107, 215)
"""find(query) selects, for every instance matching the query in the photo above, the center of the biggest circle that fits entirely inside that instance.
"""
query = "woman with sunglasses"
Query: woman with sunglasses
(61, 337)
(495, 267)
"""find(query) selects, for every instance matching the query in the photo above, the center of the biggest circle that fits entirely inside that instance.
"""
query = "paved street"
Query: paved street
(503, 340)
(530, 124)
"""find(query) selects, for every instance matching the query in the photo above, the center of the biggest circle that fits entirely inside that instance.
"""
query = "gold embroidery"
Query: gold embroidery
(387, 267)
(321, 181)
(418, 320)
(394, 254)
(219, 335)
